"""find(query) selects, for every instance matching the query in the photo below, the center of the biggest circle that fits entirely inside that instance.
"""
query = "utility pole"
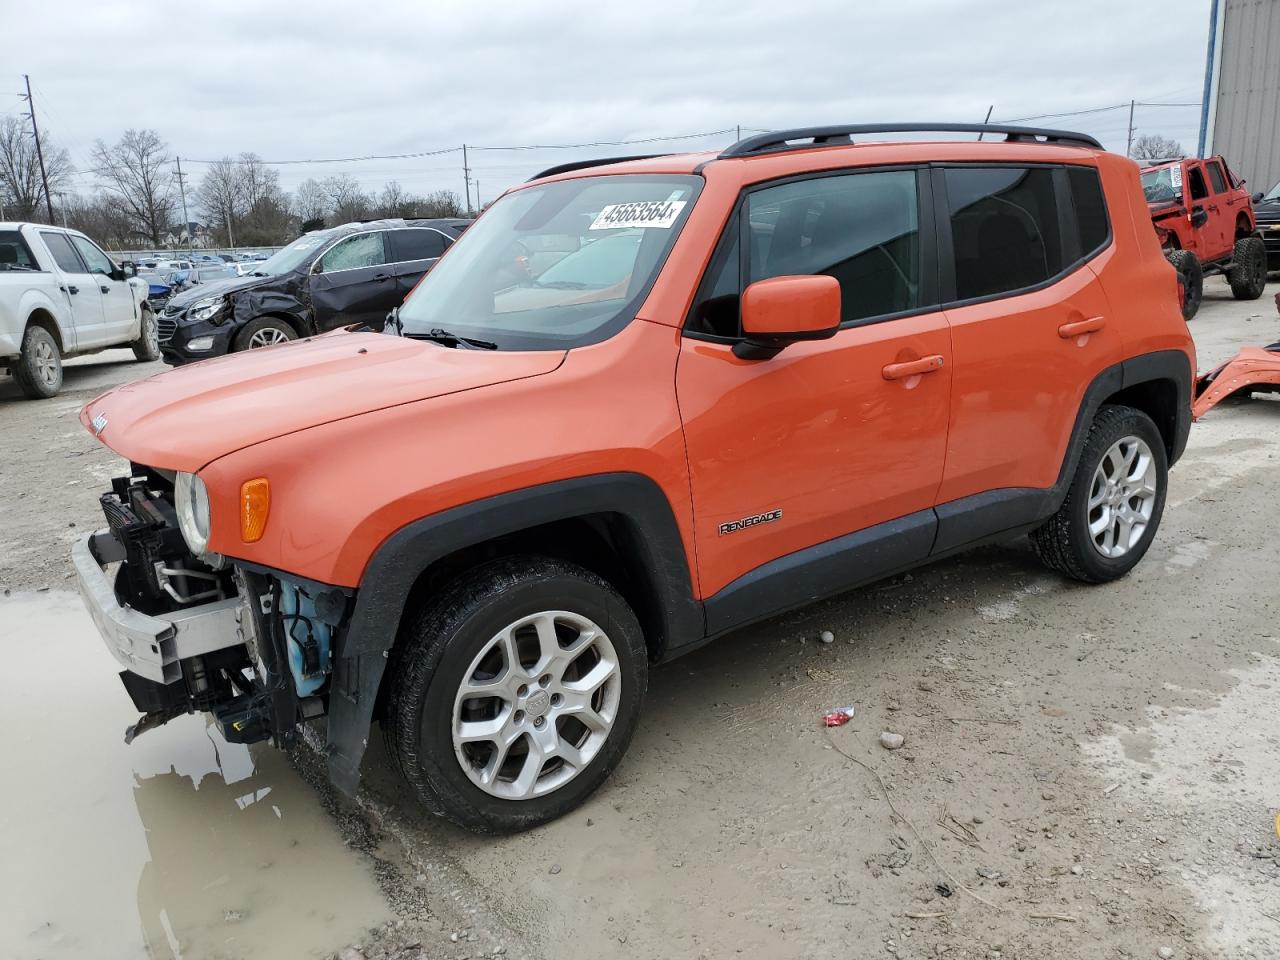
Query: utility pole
(477, 194)
(466, 177)
(1129, 147)
(186, 219)
(230, 236)
(62, 202)
(44, 177)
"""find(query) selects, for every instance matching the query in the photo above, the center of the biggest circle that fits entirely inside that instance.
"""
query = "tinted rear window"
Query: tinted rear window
(416, 244)
(1004, 226)
(64, 254)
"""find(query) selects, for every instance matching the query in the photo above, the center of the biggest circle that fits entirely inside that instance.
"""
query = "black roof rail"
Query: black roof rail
(780, 140)
(584, 164)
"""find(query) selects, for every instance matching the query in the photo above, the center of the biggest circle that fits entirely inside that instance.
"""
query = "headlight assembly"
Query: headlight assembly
(206, 309)
(192, 501)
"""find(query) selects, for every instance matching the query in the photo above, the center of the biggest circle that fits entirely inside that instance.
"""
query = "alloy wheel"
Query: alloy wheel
(267, 337)
(536, 705)
(1122, 497)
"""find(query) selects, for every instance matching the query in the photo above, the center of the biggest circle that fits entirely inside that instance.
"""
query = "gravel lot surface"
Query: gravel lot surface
(1085, 772)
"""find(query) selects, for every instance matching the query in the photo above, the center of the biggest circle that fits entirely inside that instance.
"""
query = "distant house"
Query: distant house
(197, 233)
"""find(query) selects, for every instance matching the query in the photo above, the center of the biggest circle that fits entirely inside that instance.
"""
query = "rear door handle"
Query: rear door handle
(913, 368)
(1080, 327)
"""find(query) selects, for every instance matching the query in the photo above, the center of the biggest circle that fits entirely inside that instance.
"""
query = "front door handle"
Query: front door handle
(73, 289)
(912, 368)
(105, 289)
(382, 276)
(1079, 328)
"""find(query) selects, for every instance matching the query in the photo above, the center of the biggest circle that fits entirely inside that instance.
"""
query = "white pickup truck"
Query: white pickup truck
(61, 296)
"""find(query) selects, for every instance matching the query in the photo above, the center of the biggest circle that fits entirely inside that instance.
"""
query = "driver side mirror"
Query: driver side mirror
(1257, 197)
(783, 310)
(127, 269)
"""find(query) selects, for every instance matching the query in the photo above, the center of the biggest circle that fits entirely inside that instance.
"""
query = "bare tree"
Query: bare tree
(310, 202)
(21, 189)
(1151, 146)
(101, 219)
(393, 201)
(220, 197)
(346, 200)
(441, 203)
(136, 176)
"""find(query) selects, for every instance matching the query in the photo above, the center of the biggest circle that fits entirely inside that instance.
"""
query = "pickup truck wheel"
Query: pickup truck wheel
(147, 346)
(1190, 280)
(39, 367)
(264, 332)
(1115, 501)
(1248, 274)
(514, 693)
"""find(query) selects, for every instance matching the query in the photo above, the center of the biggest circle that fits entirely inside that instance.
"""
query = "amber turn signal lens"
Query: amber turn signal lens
(255, 504)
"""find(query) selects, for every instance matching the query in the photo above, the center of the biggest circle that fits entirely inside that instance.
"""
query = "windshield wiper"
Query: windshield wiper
(436, 335)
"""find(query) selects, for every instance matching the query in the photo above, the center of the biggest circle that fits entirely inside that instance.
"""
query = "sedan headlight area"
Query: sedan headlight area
(192, 501)
(206, 309)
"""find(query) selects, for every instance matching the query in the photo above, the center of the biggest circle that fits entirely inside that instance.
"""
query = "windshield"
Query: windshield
(1162, 183)
(294, 255)
(1272, 194)
(554, 266)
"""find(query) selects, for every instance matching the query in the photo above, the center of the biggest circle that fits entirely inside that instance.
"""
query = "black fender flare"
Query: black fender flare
(360, 655)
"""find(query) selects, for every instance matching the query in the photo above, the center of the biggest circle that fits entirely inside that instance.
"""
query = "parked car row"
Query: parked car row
(355, 273)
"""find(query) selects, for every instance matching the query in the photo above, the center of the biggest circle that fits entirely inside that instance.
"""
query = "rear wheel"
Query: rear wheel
(514, 693)
(38, 369)
(1248, 274)
(147, 346)
(1190, 280)
(265, 332)
(1115, 501)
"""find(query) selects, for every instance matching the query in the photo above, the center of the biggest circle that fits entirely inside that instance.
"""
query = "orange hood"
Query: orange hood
(183, 419)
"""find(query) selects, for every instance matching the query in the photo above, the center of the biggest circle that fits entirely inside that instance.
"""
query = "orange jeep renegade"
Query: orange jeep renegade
(636, 406)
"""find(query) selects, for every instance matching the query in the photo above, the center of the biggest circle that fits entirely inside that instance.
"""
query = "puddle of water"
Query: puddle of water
(178, 846)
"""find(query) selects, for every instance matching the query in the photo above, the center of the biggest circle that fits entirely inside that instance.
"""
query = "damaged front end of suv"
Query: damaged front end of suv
(194, 632)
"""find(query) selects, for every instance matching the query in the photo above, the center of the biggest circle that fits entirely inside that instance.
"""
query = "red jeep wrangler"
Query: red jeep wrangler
(1204, 218)
(635, 407)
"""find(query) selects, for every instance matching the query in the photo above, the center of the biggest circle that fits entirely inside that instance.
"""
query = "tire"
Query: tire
(1065, 542)
(1248, 274)
(264, 332)
(458, 638)
(1190, 279)
(147, 346)
(38, 369)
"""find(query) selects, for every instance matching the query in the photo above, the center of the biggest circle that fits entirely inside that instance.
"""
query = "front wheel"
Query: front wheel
(1115, 501)
(264, 332)
(147, 346)
(514, 693)
(1248, 274)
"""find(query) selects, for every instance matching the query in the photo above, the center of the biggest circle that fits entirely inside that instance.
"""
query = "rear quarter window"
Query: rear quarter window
(14, 252)
(1092, 226)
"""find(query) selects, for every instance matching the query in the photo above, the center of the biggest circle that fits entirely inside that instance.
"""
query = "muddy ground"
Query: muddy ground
(1087, 772)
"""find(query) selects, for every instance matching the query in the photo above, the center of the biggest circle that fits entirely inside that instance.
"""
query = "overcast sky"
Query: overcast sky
(334, 80)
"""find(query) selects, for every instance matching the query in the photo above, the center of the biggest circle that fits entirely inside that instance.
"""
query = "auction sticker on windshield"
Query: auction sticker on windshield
(659, 214)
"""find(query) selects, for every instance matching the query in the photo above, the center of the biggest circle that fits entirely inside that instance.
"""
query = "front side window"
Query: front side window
(860, 228)
(353, 253)
(416, 244)
(98, 261)
(1198, 189)
(64, 255)
(556, 265)
(1004, 229)
(1215, 177)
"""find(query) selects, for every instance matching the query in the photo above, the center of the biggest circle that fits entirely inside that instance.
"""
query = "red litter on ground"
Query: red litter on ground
(838, 717)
